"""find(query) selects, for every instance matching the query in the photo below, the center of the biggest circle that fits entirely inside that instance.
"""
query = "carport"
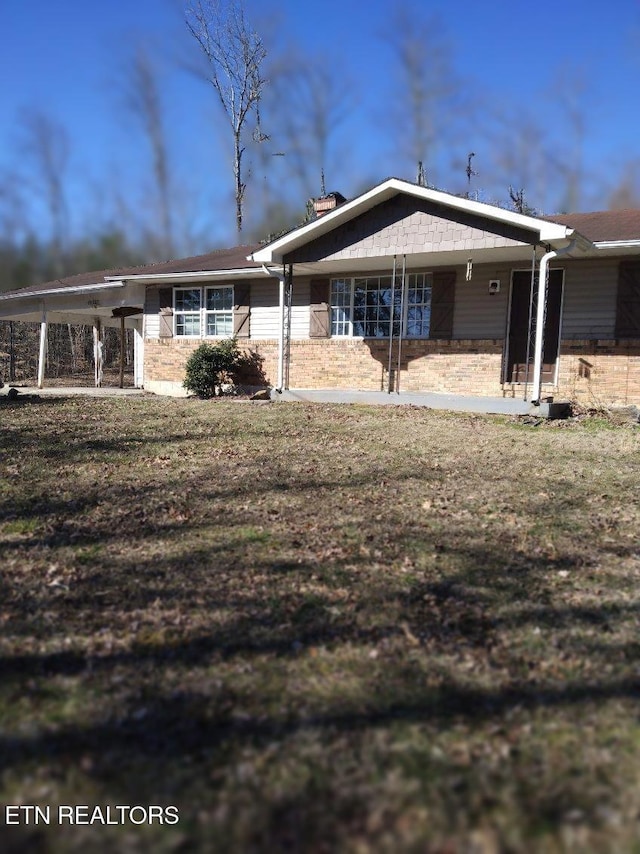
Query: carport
(87, 299)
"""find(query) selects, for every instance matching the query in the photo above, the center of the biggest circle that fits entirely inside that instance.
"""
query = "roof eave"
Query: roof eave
(192, 275)
(617, 244)
(74, 289)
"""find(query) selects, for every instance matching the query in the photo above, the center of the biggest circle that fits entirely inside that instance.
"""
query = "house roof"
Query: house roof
(220, 260)
(603, 226)
(606, 229)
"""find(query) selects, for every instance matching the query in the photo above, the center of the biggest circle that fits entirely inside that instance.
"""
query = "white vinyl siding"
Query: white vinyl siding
(265, 310)
(152, 313)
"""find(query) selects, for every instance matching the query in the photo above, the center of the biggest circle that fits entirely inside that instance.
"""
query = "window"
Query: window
(219, 311)
(207, 311)
(368, 307)
(187, 302)
(418, 306)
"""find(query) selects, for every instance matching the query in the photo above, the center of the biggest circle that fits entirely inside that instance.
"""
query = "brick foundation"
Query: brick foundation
(591, 372)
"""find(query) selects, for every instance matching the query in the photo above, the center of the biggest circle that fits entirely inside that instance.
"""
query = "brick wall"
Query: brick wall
(592, 372)
(464, 367)
(165, 359)
(600, 372)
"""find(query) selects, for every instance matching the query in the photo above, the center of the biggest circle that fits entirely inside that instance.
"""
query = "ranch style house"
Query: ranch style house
(402, 290)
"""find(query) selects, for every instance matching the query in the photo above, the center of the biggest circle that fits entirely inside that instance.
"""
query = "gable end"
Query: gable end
(407, 223)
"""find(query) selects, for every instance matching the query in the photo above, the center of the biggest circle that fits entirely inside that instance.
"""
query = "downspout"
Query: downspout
(281, 278)
(542, 298)
(531, 292)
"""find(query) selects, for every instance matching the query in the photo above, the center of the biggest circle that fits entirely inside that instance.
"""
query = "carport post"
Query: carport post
(43, 347)
(97, 351)
(122, 351)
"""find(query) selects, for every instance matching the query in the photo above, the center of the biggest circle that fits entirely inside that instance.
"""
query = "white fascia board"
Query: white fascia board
(543, 230)
(78, 289)
(196, 275)
(617, 244)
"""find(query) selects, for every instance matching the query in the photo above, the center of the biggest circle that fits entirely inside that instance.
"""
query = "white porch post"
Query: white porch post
(97, 351)
(42, 355)
(138, 354)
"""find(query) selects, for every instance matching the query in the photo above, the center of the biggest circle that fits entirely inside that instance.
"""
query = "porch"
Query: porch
(431, 400)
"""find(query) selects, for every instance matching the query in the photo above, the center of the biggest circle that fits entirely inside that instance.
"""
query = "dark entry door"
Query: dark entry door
(516, 362)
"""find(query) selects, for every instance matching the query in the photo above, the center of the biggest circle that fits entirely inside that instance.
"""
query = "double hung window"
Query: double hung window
(372, 307)
(203, 312)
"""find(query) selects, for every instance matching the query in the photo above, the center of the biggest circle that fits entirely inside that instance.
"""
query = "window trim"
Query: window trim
(177, 312)
(428, 276)
(203, 312)
(216, 312)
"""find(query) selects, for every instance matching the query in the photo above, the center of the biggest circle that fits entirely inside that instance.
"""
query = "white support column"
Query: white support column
(42, 355)
(138, 354)
(97, 351)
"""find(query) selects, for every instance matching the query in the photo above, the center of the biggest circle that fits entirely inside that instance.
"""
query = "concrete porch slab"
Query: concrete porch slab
(432, 400)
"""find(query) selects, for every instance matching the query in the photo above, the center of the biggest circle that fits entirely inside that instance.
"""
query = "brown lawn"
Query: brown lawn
(318, 628)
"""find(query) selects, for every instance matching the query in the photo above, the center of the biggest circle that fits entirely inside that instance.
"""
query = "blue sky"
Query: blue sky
(67, 56)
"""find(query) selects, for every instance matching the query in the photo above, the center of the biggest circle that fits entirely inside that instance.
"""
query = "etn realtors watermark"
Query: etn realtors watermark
(30, 814)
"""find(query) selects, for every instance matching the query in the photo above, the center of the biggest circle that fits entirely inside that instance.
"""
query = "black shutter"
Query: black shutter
(628, 302)
(443, 288)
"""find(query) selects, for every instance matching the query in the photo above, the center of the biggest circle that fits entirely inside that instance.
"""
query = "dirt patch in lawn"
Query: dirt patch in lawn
(318, 628)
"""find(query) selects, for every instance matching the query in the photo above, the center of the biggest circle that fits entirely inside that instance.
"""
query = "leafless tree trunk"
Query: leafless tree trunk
(234, 55)
(145, 103)
(427, 99)
(569, 94)
(308, 100)
(46, 150)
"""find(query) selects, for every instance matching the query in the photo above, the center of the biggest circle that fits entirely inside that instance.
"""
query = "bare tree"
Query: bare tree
(307, 102)
(625, 193)
(516, 155)
(427, 97)
(234, 54)
(45, 147)
(13, 218)
(145, 103)
(570, 95)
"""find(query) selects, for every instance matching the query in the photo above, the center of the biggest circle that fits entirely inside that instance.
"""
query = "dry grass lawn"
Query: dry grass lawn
(319, 628)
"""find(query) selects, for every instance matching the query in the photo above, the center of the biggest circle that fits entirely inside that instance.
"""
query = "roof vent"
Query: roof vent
(327, 203)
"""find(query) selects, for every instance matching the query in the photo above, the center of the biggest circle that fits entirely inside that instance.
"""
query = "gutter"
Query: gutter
(281, 279)
(542, 298)
(78, 289)
(617, 244)
(193, 274)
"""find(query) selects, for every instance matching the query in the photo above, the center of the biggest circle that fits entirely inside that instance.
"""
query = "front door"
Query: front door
(516, 369)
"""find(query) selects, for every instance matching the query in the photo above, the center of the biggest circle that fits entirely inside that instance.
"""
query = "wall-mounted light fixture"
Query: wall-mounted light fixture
(494, 286)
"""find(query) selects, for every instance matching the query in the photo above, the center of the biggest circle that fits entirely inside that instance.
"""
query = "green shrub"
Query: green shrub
(210, 365)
